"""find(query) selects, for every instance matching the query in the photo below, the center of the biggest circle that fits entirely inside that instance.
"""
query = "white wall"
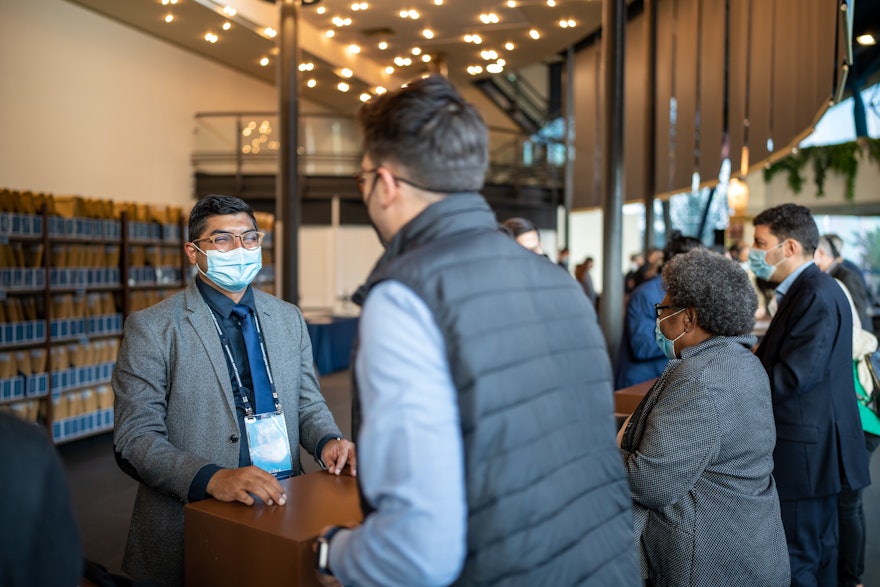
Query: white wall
(585, 240)
(95, 108)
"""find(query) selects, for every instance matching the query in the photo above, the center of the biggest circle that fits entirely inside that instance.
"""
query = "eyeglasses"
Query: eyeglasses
(660, 307)
(225, 241)
(361, 178)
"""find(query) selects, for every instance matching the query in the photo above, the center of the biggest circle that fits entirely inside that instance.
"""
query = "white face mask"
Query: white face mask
(233, 270)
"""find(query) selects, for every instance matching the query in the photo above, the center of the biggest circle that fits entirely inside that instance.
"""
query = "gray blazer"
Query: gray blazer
(699, 456)
(175, 412)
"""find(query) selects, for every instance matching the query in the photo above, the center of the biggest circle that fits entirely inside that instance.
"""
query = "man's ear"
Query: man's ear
(191, 253)
(391, 189)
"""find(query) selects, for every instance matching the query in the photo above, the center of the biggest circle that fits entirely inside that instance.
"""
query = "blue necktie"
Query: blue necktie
(259, 377)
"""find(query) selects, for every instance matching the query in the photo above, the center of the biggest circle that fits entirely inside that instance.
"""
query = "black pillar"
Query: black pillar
(611, 306)
(287, 198)
(650, 15)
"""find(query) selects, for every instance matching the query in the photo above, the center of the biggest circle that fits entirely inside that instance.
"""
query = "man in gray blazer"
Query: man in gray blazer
(185, 388)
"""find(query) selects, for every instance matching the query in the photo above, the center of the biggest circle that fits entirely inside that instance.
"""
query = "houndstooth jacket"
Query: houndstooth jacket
(699, 456)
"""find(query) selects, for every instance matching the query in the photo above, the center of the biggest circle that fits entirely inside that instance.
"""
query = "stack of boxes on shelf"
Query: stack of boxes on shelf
(68, 276)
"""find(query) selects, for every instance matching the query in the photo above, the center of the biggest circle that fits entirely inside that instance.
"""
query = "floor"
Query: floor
(102, 495)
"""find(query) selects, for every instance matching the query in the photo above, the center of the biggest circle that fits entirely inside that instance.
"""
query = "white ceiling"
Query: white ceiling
(245, 43)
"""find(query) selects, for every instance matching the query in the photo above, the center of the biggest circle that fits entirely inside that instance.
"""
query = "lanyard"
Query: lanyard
(224, 340)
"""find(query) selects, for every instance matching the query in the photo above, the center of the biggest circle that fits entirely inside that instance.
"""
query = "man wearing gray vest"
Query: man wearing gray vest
(483, 396)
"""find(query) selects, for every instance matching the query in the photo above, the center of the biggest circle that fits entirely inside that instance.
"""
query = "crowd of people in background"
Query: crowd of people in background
(482, 389)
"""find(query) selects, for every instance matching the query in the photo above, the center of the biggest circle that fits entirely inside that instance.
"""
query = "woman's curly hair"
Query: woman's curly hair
(716, 287)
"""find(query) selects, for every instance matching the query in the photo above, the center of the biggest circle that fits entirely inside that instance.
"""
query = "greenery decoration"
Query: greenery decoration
(842, 159)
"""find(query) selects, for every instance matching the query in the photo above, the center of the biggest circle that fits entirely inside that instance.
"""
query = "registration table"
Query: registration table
(234, 544)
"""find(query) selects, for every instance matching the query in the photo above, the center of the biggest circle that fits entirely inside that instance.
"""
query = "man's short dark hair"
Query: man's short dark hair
(791, 221)
(427, 129)
(214, 205)
(517, 226)
(679, 244)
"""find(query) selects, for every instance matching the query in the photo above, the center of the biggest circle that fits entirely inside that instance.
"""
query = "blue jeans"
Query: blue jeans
(851, 520)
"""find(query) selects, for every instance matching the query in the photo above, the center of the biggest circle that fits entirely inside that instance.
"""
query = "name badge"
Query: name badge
(269, 444)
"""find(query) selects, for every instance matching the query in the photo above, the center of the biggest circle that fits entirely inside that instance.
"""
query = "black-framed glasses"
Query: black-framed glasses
(225, 241)
(660, 307)
(361, 178)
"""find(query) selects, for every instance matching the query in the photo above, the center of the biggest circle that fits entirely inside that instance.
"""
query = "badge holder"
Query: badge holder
(269, 444)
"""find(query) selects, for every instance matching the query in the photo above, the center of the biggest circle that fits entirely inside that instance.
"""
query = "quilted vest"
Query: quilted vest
(548, 499)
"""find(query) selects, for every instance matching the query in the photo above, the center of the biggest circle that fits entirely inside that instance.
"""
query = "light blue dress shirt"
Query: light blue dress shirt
(782, 288)
(410, 455)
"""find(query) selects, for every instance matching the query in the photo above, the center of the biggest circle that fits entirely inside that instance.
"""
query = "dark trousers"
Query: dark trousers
(851, 518)
(811, 533)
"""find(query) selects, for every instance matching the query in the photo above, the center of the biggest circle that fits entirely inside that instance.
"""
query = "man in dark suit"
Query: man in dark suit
(807, 353)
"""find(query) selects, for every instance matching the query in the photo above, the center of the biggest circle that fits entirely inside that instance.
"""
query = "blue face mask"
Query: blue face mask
(666, 345)
(759, 265)
(233, 270)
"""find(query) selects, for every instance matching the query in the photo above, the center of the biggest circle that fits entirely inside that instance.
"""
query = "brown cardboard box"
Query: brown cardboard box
(59, 407)
(32, 410)
(7, 365)
(89, 401)
(23, 362)
(104, 397)
(38, 360)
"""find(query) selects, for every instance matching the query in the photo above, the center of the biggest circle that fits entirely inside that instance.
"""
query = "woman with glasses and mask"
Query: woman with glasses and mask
(699, 447)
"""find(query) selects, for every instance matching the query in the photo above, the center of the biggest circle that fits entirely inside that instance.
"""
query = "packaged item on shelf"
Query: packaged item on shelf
(38, 360)
(7, 365)
(23, 362)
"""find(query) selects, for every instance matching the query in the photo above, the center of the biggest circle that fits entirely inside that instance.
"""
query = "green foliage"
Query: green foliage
(842, 159)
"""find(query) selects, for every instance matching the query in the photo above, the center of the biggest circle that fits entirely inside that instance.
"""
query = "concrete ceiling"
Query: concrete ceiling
(245, 43)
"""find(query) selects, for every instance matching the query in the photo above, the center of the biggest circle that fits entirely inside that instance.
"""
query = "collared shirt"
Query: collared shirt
(221, 305)
(410, 453)
(782, 288)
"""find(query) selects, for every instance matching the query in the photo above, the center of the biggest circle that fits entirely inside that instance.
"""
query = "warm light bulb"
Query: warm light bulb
(383, 45)
(230, 11)
(342, 87)
(321, 9)
(380, 90)
(264, 61)
(426, 58)
(227, 25)
(509, 46)
(311, 83)
(416, 51)
(354, 49)
(346, 72)
(533, 33)
(365, 97)
(169, 17)
(330, 34)
(428, 34)
(270, 32)
(389, 70)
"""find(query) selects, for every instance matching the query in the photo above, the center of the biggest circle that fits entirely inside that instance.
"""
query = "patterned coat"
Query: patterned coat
(699, 455)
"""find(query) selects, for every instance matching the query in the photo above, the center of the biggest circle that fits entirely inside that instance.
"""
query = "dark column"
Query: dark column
(611, 306)
(287, 203)
(650, 16)
(569, 142)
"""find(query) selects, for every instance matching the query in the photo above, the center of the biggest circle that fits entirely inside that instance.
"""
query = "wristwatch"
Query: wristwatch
(322, 554)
